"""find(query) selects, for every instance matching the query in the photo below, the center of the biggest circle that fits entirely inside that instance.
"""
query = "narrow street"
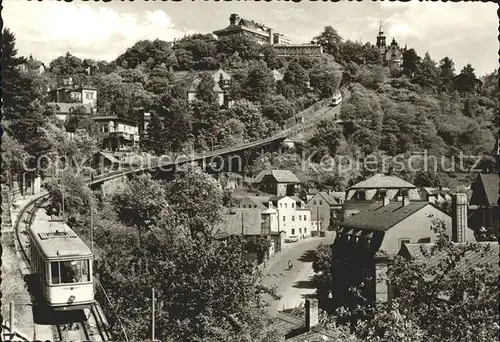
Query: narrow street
(293, 285)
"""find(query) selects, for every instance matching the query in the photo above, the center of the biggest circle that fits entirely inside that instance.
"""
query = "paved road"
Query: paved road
(294, 285)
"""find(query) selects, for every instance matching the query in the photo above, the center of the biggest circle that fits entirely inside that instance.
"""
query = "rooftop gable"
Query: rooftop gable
(281, 176)
(472, 258)
(490, 182)
(381, 218)
(382, 181)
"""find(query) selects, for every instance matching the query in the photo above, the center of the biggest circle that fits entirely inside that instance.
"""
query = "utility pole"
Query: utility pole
(153, 315)
(317, 218)
(91, 226)
(242, 232)
(62, 194)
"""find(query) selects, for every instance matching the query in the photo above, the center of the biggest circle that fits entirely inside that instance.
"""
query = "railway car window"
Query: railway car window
(54, 272)
(71, 271)
(85, 270)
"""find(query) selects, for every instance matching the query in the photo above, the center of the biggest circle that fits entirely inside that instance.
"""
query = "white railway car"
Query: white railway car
(336, 98)
(62, 263)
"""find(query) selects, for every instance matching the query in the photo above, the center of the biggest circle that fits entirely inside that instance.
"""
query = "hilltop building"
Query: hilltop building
(32, 65)
(392, 55)
(262, 34)
(222, 82)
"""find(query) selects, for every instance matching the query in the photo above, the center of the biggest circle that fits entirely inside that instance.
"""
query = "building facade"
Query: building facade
(392, 55)
(246, 28)
(293, 216)
(366, 243)
(325, 210)
(484, 206)
(222, 82)
(277, 182)
(117, 133)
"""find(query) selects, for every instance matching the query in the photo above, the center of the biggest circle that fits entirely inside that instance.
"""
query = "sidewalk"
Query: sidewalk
(13, 286)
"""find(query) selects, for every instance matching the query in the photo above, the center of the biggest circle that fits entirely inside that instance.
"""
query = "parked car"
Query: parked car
(292, 238)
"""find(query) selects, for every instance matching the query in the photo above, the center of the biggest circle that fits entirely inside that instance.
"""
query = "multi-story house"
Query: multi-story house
(72, 99)
(254, 216)
(117, 133)
(222, 84)
(365, 193)
(325, 210)
(484, 206)
(277, 182)
(293, 216)
(366, 242)
(392, 55)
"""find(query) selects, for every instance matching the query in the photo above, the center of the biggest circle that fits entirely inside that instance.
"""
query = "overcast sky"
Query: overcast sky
(467, 31)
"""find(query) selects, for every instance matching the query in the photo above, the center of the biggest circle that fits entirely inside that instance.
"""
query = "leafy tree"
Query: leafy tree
(192, 50)
(154, 139)
(175, 113)
(197, 199)
(205, 89)
(330, 40)
(326, 80)
(13, 156)
(232, 133)
(160, 80)
(426, 74)
(68, 65)
(256, 126)
(78, 197)
(271, 57)
(152, 53)
(427, 179)
(278, 109)
(296, 77)
(322, 266)
(80, 120)
(351, 52)
(447, 301)
(446, 72)
(410, 62)
(141, 203)
(327, 135)
(259, 82)
(246, 47)
(9, 53)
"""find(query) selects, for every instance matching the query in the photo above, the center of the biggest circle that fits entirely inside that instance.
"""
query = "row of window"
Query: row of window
(300, 231)
(69, 272)
(89, 96)
(381, 194)
(293, 218)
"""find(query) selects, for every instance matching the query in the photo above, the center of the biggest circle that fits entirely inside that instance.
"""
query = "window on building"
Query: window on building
(320, 202)
(293, 231)
(244, 206)
(361, 195)
(286, 204)
(305, 218)
(314, 202)
(281, 205)
(255, 206)
(293, 218)
(284, 218)
(300, 230)
(293, 205)
(300, 217)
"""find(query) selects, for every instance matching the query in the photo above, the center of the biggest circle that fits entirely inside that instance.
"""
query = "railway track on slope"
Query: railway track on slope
(78, 325)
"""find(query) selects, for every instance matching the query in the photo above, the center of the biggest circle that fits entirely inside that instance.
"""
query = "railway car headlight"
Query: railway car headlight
(71, 299)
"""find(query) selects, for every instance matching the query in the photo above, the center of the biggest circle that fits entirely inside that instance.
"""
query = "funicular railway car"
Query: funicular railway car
(62, 263)
(336, 99)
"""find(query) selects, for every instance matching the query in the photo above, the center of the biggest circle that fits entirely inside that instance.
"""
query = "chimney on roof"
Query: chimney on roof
(459, 217)
(406, 201)
(386, 200)
(312, 314)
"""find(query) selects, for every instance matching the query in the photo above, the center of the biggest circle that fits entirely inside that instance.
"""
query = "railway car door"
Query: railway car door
(44, 278)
